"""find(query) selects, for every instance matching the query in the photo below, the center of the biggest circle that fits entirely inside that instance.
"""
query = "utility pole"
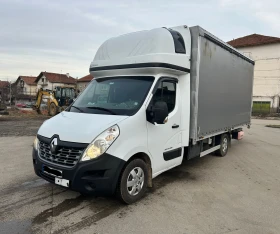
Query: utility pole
(10, 91)
(10, 94)
(10, 86)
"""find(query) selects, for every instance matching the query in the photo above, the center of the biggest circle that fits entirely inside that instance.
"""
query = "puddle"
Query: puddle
(273, 126)
(101, 207)
(104, 212)
(57, 210)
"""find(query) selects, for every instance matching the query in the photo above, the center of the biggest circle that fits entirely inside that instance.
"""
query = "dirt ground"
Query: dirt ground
(21, 123)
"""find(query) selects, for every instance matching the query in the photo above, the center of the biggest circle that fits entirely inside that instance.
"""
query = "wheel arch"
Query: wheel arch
(218, 137)
(145, 157)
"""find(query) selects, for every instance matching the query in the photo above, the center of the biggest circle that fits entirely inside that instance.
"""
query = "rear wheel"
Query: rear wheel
(224, 145)
(133, 181)
(53, 109)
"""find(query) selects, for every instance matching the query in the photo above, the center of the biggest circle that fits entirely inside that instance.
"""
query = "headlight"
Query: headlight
(35, 144)
(101, 143)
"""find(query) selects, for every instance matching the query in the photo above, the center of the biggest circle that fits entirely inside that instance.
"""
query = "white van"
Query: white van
(157, 96)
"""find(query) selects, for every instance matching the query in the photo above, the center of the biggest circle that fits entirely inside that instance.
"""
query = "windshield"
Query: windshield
(113, 96)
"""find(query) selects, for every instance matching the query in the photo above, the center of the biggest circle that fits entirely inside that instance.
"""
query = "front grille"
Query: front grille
(65, 156)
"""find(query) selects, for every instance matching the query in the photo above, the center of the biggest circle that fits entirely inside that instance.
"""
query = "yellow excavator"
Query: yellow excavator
(57, 100)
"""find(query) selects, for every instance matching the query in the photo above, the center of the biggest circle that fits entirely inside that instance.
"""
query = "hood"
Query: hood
(78, 127)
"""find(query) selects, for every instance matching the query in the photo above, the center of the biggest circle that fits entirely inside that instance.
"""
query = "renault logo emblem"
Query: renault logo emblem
(53, 145)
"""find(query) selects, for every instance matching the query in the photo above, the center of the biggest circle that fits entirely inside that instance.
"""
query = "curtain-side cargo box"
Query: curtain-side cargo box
(221, 86)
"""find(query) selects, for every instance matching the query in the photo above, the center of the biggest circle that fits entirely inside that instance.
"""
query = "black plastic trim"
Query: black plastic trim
(140, 65)
(95, 177)
(62, 143)
(175, 153)
(136, 77)
(212, 39)
(179, 42)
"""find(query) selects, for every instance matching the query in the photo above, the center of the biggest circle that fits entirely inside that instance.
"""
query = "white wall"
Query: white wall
(82, 85)
(27, 89)
(267, 72)
(45, 85)
(49, 85)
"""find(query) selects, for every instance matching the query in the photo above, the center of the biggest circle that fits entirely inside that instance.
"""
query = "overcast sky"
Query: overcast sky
(63, 35)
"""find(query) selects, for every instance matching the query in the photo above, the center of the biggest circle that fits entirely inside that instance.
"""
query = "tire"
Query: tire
(225, 143)
(136, 172)
(53, 109)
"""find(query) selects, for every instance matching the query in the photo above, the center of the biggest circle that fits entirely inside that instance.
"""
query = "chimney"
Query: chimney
(67, 74)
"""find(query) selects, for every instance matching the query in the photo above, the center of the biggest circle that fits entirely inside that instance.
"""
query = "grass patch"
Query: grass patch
(273, 126)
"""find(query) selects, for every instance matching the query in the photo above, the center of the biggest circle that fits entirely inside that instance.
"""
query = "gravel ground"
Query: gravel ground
(236, 194)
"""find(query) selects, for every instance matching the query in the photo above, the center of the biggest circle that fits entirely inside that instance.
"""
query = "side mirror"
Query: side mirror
(158, 113)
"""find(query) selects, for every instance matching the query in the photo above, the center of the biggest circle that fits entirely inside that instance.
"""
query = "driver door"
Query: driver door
(164, 140)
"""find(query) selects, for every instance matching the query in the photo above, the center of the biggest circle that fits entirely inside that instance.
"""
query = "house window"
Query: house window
(21, 83)
(43, 80)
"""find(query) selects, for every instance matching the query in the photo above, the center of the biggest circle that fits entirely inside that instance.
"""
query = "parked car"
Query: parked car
(20, 105)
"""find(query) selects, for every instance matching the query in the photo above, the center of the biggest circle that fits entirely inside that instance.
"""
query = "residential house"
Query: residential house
(25, 86)
(4, 91)
(83, 82)
(265, 51)
(48, 80)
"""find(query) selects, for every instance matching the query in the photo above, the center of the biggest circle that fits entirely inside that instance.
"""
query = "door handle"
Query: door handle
(175, 126)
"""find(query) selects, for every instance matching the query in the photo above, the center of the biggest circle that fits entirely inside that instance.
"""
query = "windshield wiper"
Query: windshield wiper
(78, 108)
(101, 108)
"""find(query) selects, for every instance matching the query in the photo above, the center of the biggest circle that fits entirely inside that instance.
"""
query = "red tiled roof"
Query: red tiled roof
(87, 78)
(4, 84)
(253, 40)
(57, 78)
(30, 80)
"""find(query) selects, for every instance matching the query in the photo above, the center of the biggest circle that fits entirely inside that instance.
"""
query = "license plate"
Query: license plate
(62, 182)
(57, 174)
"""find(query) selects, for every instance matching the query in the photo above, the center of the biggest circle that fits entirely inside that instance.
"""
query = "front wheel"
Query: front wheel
(224, 145)
(133, 181)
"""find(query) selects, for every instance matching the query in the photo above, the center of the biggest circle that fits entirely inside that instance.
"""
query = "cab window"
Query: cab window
(166, 92)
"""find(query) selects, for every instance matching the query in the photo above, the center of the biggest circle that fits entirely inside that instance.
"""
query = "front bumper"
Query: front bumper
(97, 177)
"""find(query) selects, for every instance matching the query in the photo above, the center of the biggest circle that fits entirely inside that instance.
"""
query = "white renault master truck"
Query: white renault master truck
(157, 96)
